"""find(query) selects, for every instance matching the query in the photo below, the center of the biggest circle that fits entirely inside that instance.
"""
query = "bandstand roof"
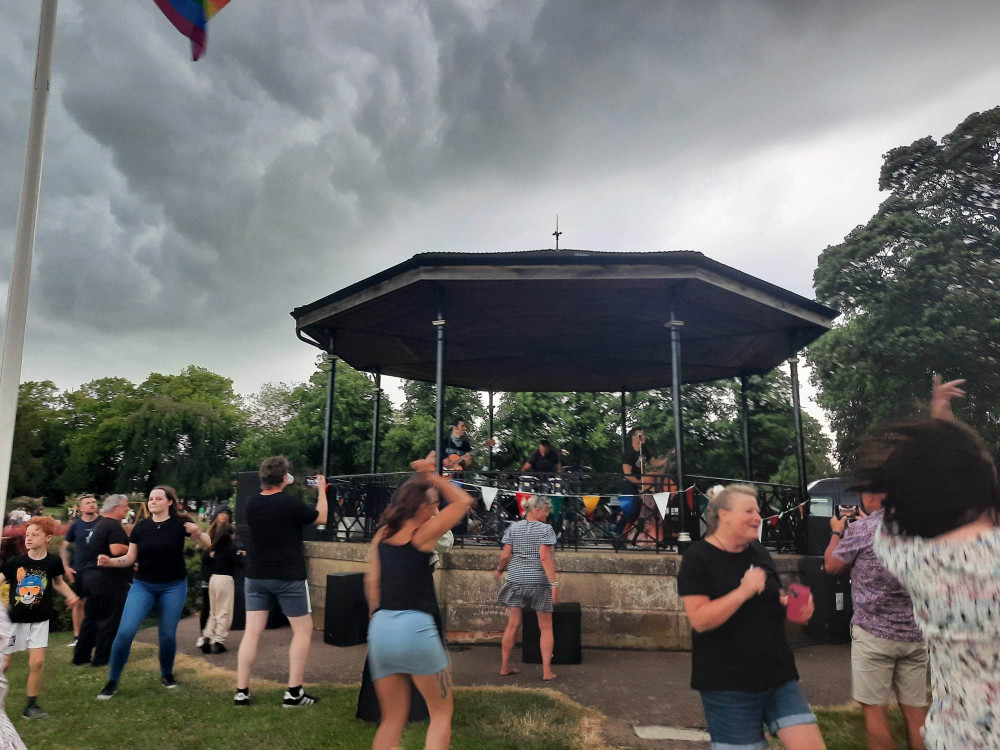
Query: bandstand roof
(563, 320)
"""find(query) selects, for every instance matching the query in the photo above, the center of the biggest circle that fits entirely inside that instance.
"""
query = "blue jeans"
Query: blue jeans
(736, 719)
(141, 598)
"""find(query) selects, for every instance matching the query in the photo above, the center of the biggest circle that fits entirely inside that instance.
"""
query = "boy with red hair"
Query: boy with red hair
(32, 577)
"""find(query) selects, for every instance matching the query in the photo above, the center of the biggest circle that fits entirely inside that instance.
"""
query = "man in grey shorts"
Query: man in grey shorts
(888, 654)
(276, 572)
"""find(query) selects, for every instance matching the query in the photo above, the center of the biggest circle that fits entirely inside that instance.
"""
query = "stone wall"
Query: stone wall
(628, 600)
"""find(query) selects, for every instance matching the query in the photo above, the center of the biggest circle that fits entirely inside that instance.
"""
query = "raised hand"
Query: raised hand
(941, 395)
(753, 581)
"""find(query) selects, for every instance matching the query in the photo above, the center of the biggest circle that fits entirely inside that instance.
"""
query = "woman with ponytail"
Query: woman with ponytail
(403, 638)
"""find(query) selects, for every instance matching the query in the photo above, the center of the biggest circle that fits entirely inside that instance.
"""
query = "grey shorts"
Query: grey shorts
(291, 596)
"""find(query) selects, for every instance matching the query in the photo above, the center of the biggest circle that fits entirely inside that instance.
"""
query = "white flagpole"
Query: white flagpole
(17, 293)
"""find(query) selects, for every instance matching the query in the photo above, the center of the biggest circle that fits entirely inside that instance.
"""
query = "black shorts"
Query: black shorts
(77, 586)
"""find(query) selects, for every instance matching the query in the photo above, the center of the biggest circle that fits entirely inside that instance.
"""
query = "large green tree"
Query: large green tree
(918, 287)
(38, 450)
(289, 420)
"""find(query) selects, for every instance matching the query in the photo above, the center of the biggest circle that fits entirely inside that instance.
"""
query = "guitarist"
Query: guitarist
(456, 450)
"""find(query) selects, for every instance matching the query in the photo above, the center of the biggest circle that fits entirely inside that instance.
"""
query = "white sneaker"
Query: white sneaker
(200, 642)
(73, 644)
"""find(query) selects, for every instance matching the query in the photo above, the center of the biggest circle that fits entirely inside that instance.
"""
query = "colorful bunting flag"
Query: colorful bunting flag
(590, 503)
(190, 17)
(662, 500)
(557, 504)
(521, 497)
(489, 495)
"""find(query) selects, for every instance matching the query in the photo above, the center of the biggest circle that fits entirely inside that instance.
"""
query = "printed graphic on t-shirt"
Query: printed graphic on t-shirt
(29, 590)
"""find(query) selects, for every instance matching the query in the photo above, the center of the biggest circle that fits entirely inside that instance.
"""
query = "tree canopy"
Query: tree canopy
(918, 286)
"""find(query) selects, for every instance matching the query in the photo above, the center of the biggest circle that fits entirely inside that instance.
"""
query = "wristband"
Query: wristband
(554, 583)
(838, 533)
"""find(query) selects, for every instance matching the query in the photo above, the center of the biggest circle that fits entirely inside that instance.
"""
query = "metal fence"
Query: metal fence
(591, 510)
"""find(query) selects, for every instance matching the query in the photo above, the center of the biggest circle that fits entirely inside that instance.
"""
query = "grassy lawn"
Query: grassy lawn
(200, 713)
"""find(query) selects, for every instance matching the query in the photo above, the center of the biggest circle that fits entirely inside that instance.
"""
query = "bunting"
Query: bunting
(662, 500)
(489, 495)
(590, 502)
(190, 17)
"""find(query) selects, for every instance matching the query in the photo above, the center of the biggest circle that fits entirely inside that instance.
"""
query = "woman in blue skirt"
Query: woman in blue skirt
(403, 637)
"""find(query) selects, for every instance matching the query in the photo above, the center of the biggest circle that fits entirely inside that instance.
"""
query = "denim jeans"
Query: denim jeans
(141, 598)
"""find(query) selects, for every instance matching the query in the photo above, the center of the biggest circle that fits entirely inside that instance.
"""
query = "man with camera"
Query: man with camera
(888, 654)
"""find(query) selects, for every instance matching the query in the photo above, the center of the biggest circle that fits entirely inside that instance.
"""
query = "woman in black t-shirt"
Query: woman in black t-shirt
(157, 544)
(741, 662)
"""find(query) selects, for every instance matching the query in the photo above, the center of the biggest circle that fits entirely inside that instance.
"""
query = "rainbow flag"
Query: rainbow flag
(191, 17)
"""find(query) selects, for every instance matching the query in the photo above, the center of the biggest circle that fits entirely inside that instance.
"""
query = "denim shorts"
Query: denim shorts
(736, 719)
(404, 641)
(291, 596)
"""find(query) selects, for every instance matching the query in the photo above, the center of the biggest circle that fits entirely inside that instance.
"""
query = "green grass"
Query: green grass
(844, 728)
(200, 714)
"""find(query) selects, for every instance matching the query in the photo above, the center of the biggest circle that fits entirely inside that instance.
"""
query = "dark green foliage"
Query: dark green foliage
(918, 286)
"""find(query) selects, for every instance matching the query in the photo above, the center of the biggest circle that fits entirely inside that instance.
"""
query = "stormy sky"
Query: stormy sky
(186, 208)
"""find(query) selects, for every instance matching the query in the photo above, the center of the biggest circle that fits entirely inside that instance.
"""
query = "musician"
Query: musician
(544, 459)
(456, 450)
(638, 461)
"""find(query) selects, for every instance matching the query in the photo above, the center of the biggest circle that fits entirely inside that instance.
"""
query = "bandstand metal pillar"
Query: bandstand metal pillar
(331, 383)
(745, 415)
(683, 537)
(800, 445)
(375, 421)
(439, 407)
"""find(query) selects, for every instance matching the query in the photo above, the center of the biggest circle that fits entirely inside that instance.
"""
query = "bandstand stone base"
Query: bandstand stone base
(628, 599)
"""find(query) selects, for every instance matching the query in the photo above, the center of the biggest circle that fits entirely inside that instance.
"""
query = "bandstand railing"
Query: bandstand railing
(591, 510)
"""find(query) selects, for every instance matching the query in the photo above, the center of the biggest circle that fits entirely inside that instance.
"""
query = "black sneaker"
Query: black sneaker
(206, 646)
(218, 648)
(297, 701)
(108, 692)
(34, 712)
(168, 681)
(242, 698)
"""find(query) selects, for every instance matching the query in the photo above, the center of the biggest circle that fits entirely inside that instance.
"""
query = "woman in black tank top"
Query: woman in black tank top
(403, 640)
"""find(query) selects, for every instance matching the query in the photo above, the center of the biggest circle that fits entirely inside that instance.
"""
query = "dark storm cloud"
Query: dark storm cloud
(193, 205)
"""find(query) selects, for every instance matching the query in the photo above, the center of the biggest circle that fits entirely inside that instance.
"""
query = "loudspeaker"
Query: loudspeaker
(566, 631)
(247, 486)
(831, 622)
(817, 534)
(368, 709)
(346, 610)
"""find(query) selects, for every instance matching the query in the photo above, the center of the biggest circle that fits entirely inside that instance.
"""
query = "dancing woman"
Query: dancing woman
(403, 637)
(531, 580)
(157, 544)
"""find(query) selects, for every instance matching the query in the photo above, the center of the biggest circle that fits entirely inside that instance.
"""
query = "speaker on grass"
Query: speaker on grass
(368, 709)
(566, 631)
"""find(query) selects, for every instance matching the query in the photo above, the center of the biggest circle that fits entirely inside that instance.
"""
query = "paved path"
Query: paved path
(628, 687)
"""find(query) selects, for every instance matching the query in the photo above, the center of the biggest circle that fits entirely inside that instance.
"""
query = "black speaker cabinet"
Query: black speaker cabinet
(368, 709)
(346, 610)
(817, 534)
(566, 630)
(831, 622)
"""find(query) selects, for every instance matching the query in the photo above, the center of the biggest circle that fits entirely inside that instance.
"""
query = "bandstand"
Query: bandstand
(626, 321)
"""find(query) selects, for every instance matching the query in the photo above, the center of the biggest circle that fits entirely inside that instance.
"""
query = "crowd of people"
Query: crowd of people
(923, 554)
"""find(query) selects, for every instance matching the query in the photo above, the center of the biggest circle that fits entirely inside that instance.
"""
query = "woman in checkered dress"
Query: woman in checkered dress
(531, 580)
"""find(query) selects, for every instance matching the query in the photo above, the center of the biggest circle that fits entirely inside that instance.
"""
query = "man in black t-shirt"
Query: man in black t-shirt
(105, 589)
(78, 535)
(276, 572)
(544, 459)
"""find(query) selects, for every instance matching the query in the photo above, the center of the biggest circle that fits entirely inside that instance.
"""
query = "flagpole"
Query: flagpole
(17, 292)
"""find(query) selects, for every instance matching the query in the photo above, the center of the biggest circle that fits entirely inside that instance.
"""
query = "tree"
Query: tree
(38, 453)
(289, 421)
(182, 431)
(918, 287)
(97, 416)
